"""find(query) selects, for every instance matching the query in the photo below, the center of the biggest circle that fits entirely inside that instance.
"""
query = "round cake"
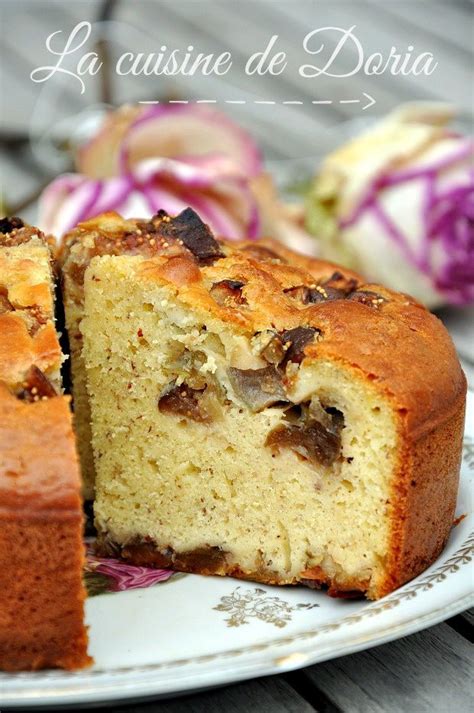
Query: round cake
(258, 413)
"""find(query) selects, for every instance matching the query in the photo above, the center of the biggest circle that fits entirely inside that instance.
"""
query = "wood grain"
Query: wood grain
(428, 672)
(271, 695)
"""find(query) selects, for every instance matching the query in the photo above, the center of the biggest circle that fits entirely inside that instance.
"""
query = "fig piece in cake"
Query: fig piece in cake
(367, 297)
(258, 388)
(318, 442)
(189, 229)
(36, 385)
(5, 304)
(183, 401)
(295, 341)
(228, 293)
(8, 225)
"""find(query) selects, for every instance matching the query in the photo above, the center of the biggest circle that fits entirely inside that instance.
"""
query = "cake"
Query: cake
(259, 414)
(41, 548)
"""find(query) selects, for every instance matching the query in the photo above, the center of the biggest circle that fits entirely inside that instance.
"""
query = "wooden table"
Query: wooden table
(430, 671)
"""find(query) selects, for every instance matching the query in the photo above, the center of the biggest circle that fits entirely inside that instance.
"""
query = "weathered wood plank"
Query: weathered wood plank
(303, 685)
(450, 23)
(252, 29)
(429, 672)
(35, 106)
(460, 322)
(176, 25)
(267, 694)
(378, 33)
(464, 624)
(468, 616)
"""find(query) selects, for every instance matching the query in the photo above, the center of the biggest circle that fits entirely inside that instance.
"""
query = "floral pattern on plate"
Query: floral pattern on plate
(258, 604)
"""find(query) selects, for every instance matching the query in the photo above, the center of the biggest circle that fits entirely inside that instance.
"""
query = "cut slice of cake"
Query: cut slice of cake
(107, 235)
(259, 414)
(41, 547)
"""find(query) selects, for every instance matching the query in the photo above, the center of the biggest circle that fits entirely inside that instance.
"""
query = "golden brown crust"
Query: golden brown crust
(424, 497)
(27, 333)
(14, 232)
(38, 475)
(109, 234)
(41, 615)
(264, 249)
(19, 349)
(403, 349)
(41, 609)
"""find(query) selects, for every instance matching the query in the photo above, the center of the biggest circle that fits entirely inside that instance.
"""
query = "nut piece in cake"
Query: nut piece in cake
(288, 419)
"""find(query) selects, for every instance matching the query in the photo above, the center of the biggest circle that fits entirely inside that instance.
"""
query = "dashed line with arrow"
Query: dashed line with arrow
(367, 101)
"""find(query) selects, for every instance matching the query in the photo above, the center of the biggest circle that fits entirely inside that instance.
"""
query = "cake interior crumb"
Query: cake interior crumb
(184, 462)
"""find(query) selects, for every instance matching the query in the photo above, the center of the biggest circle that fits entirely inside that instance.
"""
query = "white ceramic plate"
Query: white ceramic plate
(191, 632)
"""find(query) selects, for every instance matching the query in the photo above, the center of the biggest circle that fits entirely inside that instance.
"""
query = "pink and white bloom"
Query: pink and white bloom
(397, 204)
(161, 157)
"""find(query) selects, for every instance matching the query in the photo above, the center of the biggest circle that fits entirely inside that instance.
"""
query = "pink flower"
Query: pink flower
(444, 251)
(125, 576)
(397, 204)
(161, 157)
(133, 133)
